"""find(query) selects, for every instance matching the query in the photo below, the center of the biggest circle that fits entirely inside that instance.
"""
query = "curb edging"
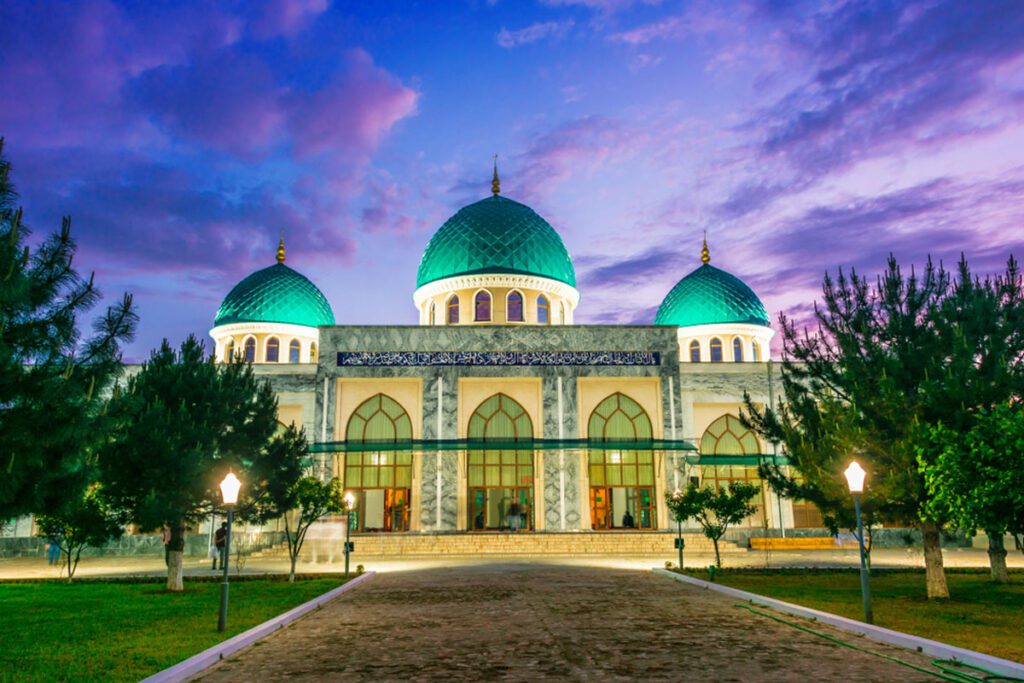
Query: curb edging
(883, 635)
(197, 663)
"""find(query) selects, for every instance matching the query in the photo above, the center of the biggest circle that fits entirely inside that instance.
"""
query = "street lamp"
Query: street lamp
(350, 502)
(680, 543)
(229, 492)
(855, 479)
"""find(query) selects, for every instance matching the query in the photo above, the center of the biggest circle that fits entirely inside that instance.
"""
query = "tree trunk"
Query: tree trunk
(718, 558)
(935, 575)
(291, 576)
(997, 557)
(175, 580)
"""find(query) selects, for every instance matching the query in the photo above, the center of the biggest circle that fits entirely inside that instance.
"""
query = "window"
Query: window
(543, 310)
(294, 351)
(433, 314)
(453, 311)
(621, 480)
(498, 479)
(695, 351)
(381, 480)
(737, 350)
(561, 311)
(482, 307)
(273, 352)
(229, 351)
(727, 436)
(250, 350)
(716, 350)
(515, 307)
(757, 352)
(312, 352)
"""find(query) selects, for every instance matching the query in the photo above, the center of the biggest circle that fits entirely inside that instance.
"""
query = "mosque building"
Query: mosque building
(497, 411)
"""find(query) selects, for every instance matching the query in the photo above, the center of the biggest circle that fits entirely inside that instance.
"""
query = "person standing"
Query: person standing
(219, 539)
(513, 514)
(52, 552)
(165, 534)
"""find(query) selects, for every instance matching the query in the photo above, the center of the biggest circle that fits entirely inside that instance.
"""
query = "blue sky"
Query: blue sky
(182, 136)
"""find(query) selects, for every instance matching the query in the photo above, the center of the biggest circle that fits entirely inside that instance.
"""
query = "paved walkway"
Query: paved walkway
(529, 622)
(36, 568)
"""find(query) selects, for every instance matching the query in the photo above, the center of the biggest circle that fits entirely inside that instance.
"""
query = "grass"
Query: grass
(979, 615)
(109, 631)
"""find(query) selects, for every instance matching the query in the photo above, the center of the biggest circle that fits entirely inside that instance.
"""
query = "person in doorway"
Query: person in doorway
(513, 515)
(627, 521)
(220, 538)
(165, 534)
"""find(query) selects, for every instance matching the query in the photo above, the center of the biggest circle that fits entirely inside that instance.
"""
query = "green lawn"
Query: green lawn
(980, 615)
(126, 631)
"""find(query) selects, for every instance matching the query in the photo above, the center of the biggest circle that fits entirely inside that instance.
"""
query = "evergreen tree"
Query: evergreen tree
(52, 380)
(184, 421)
(883, 365)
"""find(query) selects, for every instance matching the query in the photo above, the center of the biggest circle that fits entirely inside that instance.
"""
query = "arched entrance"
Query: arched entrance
(725, 437)
(621, 479)
(379, 477)
(500, 480)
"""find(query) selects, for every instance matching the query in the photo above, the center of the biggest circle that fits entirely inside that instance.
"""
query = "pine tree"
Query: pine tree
(884, 365)
(52, 381)
(183, 422)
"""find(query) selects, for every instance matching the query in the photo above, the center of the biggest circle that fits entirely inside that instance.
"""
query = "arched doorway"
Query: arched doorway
(621, 479)
(500, 480)
(727, 436)
(379, 477)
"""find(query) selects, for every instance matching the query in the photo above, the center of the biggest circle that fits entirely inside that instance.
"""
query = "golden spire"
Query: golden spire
(705, 255)
(280, 248)
(495, 183)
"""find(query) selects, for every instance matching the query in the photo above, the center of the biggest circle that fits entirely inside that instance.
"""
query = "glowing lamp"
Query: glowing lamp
(855, 477)
(229, 489)
(350, 501)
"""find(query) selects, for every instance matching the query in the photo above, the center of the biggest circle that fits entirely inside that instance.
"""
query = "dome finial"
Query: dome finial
(280, 248)
(705, 255)
(495, 183)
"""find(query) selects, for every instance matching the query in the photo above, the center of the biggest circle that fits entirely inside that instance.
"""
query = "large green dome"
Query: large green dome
(496, 235)
(709, 296)
(276, 294)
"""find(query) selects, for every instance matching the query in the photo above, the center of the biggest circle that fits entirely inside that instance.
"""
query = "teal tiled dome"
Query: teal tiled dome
(709, 296)
(496, 235)
(276, 294)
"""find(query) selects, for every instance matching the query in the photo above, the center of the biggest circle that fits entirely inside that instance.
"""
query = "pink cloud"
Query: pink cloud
(534, 32)
(286, 17)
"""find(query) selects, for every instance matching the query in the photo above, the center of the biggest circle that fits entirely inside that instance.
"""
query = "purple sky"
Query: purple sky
(181, 137)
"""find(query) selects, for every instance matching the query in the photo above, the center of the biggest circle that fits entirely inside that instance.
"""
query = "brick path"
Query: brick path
(525, 622)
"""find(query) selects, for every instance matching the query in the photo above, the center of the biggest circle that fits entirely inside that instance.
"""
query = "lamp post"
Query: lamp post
(229, 492)
(350, 502)
(680, 543)
(855, 479)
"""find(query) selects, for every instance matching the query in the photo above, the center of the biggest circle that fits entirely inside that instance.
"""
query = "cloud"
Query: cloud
(533, 33)
(603, 6)
(633, 270)
(286, 18)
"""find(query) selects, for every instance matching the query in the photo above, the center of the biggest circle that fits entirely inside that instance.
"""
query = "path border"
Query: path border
(884, 635)
(197, 663)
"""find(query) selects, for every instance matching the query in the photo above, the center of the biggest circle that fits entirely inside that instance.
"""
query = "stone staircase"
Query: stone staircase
(412, 545)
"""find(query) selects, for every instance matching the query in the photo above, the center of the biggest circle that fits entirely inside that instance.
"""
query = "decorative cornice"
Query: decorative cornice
(284, 329)
(509, 280)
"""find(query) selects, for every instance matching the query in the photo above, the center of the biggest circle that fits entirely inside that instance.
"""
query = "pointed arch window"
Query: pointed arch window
(432, 318)
(543, 310)
(757, 352)
(514, 307)
(727, 436)
(622, 480)
(381, 478)
(229, 351)
(499, 477)
(482, 307)
(294, 351)
(312, 352)
(562, 319)
(716, 350)
(273, 352)
(695, 351)
(737, 350)
(250, 350)
(453, 311)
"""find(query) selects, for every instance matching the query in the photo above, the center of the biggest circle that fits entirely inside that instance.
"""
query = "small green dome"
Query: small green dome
(709, 296)
(496, 235)
(276, 294)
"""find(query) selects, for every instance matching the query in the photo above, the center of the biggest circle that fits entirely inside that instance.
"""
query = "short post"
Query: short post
(855, 478)
(229, 490)
(680, 543)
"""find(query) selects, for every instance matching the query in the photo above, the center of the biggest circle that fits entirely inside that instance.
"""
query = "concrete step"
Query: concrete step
(520, 543)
